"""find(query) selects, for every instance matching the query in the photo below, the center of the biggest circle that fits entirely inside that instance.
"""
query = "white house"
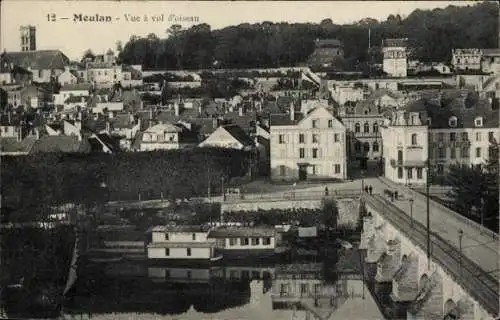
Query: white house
(307, 146)
(395, 53)
(466, 59)
(111, 106)
(230, 137)
(166, 136)
(181, 242)
(237, 240)
(66, 91)
(405, 148)
(68, 77)
(75, 103)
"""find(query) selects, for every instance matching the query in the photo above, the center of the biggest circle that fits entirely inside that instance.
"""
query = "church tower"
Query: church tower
(28, 38)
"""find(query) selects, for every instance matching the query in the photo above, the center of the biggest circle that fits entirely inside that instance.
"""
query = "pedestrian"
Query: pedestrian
(370, 189)
(366, 189)
(396, 194)
(326, 191)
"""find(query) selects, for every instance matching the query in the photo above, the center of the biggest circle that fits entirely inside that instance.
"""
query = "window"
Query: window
(188, 252)
(478, 122)
(314, 170)
(315, 138)
(419, 173)
(375, 147)
(440, 136)
(440, 169)
(301, 138)
(400, 156)
(255, 241)
(366, 127)
(453, 136)
(284, 289)
(478, 152)
(400, 173)
(193, 236)
(337, 168)
(281, 138)
(357, 127)
(414, 139)
(244, 241)
(304, 289)
(441, 152)
(357, 146)
(478, 136)
(375, 127)
(166, 236)
(330, 123)
(336, 137)
(233, 241)
(465, 152)
(315, 153)
(314, 123)
(167, 252)
(266, 241)
(465, 136)
(410, 173)
(282, 170)
(366, 147)
(453, 153)
(302, 153)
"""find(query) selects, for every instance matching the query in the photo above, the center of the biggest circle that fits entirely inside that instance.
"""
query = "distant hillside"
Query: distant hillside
(433, 32)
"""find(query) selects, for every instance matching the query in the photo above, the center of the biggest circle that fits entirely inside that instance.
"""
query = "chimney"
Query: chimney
(19, 134)
(66, 68)
(215, 122)
(240, 111)
(151, 114)
(37, 133)
(9, 114)
(199, 109)
(108, 126)
(110, 115)
(78, 125)
(292, 112)
(176, 109)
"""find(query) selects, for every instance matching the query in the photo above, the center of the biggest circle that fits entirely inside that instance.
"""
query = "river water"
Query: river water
(325, 286)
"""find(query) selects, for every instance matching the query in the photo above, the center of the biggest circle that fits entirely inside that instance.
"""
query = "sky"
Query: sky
(74, 37)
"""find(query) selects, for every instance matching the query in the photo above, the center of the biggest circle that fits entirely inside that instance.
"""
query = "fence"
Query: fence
(437, 206)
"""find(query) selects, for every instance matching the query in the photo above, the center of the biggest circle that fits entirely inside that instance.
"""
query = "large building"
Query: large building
(45, 65)
(395, 53)
(466, 59)
(326, 53)
(454, 126)
(28, 38)
(307, 146)
(405, 148)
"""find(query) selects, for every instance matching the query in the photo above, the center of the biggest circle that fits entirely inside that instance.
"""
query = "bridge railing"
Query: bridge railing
(440, 207)
(295, 195)
(477, 276)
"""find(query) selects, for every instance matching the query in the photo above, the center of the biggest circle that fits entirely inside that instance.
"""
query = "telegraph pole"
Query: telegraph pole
(427, 185)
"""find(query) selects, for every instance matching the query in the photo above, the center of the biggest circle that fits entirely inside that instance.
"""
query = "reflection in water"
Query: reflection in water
(299, 289)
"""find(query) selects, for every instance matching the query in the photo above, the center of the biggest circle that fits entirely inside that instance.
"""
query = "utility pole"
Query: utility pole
(427, 185)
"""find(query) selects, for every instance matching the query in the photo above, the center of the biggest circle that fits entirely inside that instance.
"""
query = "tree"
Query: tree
(177, 36)
(330, 213)
(88, 55)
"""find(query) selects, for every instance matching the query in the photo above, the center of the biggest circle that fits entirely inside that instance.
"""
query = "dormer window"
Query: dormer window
(478, 122)
(452, 122)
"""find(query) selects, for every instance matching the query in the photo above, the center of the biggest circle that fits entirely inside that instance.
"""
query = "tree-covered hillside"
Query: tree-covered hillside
(433, 32)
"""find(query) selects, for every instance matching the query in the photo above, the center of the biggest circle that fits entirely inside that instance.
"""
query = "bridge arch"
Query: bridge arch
(424, 280)
(449, 305)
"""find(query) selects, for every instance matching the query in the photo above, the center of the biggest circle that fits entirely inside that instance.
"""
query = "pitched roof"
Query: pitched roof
(205, 126)
(61, 144)
(401, 42)
(164, 127)
(77, 99)
(76, 87)
(246, 122)
(465, 106)
(491, 52)
(180, 228)
(283, 119)
(41, 59)
(239, 134)
(328, 43)
(122, 121)
(101, 139)
(94, 125)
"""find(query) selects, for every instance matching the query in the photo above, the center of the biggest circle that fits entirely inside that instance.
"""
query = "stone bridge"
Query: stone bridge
(447, 286)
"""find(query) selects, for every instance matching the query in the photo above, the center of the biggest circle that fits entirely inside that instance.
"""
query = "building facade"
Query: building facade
(180, 242)
(466, 59)
(28, 38)
(395, 52)
(307, 146)
(405, 148)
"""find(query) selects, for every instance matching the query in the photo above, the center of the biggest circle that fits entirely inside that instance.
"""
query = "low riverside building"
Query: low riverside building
(242, 241)
(181, 243)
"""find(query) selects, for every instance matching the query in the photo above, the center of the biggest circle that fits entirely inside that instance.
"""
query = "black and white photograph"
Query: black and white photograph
(249, 160)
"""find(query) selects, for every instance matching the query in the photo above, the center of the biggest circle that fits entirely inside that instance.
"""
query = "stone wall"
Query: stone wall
(269, 205)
